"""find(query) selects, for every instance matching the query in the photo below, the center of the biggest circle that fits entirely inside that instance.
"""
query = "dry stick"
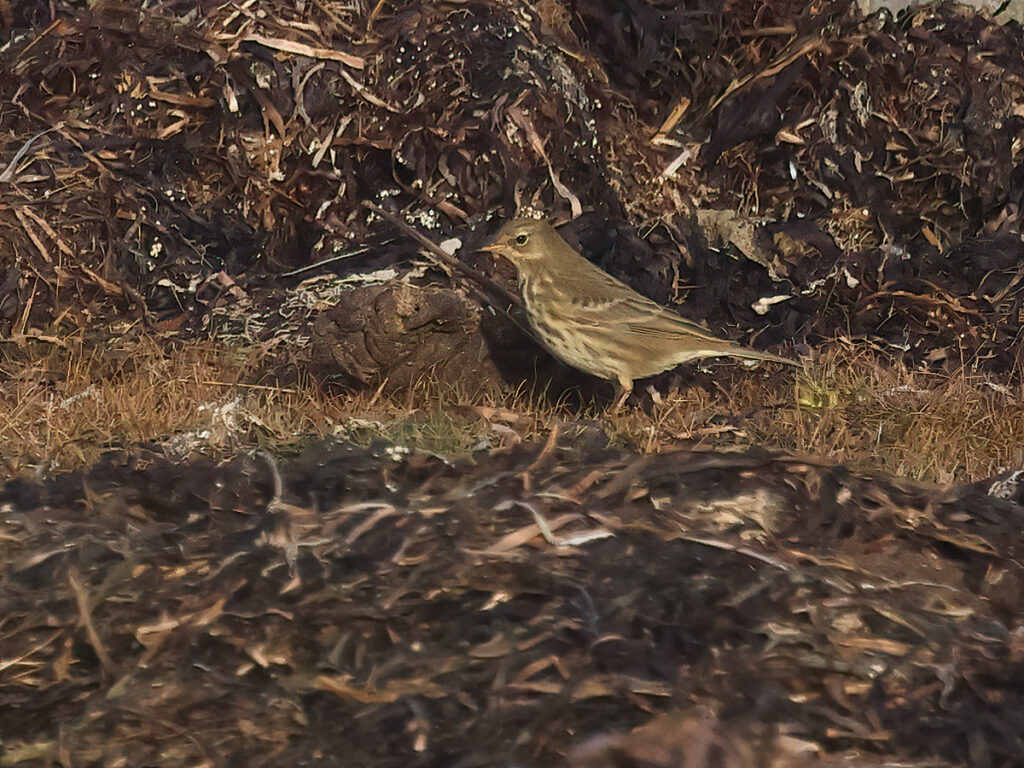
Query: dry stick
(465, 269)
(446, 258)
(786, 30)
(82, 600)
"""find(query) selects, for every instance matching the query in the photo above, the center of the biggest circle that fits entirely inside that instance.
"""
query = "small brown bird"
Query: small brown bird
(596, 323)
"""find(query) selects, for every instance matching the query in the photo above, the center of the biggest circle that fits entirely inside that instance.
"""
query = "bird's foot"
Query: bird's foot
(622, 393)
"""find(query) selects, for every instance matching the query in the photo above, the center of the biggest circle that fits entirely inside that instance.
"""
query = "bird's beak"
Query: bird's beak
(492, 248)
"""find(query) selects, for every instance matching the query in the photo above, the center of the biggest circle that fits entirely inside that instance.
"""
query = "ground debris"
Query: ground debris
(791, 171)
(166, 165)
(397, 608)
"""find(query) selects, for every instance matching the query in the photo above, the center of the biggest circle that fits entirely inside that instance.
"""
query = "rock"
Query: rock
(402, 335)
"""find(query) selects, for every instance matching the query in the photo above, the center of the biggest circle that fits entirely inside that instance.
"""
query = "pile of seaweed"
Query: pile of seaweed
(566, 603)
(789, 171)
(792, 168)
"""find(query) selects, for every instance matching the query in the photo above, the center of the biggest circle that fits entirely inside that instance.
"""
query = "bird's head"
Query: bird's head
(523, 240)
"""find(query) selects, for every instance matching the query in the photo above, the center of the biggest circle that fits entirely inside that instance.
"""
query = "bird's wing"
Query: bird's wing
(596, 298)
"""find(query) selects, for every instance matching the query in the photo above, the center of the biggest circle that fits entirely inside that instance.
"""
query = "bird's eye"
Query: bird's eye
(522, 239)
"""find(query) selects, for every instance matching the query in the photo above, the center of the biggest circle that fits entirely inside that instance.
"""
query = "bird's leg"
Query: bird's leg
(623, 389)
(655, 395)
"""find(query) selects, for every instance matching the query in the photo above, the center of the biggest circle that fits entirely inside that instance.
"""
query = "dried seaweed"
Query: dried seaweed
(155, 157)
(891, 156)
(394, 608)
(788, 168)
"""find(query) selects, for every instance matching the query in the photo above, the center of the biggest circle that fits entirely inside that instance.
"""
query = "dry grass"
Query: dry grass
(64, 405)
(934, 426)
(940, 427)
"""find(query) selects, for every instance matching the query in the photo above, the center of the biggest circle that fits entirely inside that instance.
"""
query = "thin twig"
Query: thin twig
(331, 259)
(12, 167)
(781, 31)
(82, 600)
(446, 258)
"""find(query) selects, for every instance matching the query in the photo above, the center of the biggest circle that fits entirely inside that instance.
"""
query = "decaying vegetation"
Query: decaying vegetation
(282, 487)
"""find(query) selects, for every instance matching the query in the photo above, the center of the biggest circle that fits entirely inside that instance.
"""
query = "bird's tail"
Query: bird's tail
(752, 354)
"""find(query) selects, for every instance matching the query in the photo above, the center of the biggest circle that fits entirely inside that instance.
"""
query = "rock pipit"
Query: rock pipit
(596, 323)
